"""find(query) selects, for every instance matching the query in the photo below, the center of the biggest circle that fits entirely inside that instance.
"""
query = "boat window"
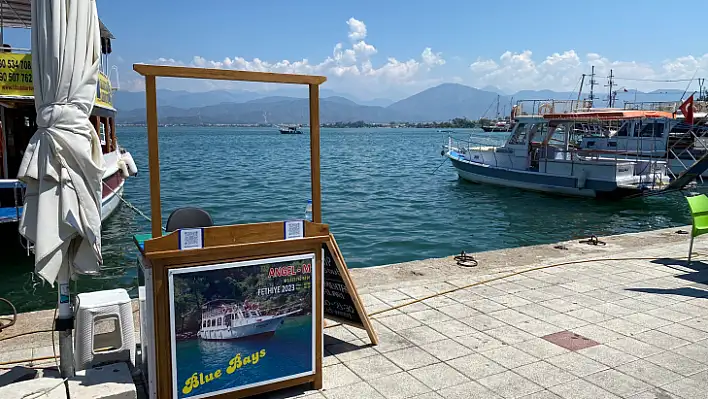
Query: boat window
(655, 129)
(519, 136)
(218, 321)
(204, 324)
(253, 314)
(208, 323)
(624, 130)
(637, 128)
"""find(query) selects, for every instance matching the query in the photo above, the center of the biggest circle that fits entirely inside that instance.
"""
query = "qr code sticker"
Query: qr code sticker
(294, 229)
(190, 238)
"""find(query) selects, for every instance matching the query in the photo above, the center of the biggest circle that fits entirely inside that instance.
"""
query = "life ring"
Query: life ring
(545, 109)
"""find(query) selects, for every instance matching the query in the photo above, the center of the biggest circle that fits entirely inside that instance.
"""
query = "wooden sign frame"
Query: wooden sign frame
(224, 244)
(351, 289)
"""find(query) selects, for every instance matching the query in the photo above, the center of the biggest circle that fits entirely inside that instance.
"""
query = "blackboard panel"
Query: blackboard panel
(338, 302)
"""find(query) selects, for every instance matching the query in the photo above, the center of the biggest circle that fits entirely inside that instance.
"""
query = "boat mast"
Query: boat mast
(610, 83)
(592, 87)
(580, 91)
(498, 96)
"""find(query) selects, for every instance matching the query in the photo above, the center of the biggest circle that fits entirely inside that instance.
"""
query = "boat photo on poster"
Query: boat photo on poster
(240, 325)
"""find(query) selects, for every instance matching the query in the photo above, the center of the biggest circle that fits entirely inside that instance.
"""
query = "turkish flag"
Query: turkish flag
(687, 110)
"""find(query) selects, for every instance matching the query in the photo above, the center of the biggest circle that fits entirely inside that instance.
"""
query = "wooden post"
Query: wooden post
(315, 153)
(153, 155)
(114, 140)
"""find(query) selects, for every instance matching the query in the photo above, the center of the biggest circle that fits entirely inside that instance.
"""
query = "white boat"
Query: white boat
(289, 130)
(17, 125)
(542, 154)
(234, 321)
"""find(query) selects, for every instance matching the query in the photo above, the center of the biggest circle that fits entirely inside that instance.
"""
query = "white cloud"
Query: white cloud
(562, 71)
(357, 29)
(351, 67)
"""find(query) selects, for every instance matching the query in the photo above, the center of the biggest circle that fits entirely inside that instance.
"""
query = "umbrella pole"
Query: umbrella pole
(64, 325)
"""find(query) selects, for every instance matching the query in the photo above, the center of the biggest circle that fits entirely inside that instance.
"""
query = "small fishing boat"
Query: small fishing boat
(501, 126)
(290, 130)
(224, 321)
(543, 154)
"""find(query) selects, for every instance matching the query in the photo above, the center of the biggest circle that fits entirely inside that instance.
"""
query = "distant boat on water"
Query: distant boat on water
(289, 130)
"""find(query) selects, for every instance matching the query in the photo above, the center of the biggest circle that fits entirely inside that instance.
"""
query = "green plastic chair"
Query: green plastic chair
(699, 213)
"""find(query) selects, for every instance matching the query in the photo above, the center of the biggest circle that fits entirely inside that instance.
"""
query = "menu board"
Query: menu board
(341, 301)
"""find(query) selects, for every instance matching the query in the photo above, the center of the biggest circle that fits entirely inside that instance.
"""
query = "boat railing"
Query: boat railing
(666, 106)
(550, 106)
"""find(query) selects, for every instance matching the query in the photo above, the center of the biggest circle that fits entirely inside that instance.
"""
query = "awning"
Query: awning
(18, 14)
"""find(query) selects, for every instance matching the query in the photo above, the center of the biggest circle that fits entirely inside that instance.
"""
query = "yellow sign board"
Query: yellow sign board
(16, 79)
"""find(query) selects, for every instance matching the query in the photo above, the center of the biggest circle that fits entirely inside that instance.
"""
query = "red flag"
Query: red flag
(687, 110)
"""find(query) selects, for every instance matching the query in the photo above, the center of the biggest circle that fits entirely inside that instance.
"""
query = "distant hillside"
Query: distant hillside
(439, 103)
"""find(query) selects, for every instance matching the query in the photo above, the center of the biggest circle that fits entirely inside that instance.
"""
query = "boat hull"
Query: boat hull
(237, 332)
(533, 181)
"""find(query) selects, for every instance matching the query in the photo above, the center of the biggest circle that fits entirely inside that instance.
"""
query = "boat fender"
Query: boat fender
(123, 168)
(582, 178)
(128, 159)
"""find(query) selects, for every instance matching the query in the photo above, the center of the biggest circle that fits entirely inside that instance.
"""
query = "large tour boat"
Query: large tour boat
(18, 122)
(224, 321)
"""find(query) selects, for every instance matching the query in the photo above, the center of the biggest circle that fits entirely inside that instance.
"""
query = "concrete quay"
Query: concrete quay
(628, 319)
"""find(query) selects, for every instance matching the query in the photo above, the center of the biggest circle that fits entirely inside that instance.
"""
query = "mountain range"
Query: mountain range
(439, 103)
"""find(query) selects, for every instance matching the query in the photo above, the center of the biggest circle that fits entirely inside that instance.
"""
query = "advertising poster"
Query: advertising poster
(240, 325)
(16, 74)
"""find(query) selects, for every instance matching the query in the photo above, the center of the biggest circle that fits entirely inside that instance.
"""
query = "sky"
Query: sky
(394, 48)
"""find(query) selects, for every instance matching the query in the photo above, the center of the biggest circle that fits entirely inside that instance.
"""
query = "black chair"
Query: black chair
(188, 217)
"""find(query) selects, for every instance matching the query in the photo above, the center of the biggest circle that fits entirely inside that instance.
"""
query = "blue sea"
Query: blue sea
(387, 194)
(287, 352)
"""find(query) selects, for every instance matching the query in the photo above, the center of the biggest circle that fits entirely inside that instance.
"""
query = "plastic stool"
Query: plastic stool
(104, 330)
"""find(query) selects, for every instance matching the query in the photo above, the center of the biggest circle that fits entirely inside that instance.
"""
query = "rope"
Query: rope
(131, 206)
(465, 260)
(593, 240)
(14, 315)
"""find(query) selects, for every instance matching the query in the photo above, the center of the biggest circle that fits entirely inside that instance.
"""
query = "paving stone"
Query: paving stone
(418, 292)
(669, 314)
(390, 296)
(429, 395)
(561, 305)
(509, 334)
(660, 339)
(536, 295)
(605, 295)
(694, 351)
(544, 374)
(398, 386)
(487, 291)
(476, 366)
(581, 389)
(421, 335)
(483, 322)
(351, 350)
(510, 385)
(577, 364)
(635, 347)
(510, 316)
(399, 322)
(439, 302)
(338, 334)
(463, 296)
(479, 341)
(470, 390)
(508, 286)
(452, 328)
(623, 326)
(545, 394)
(686, 308)
(598, 333)
(411, 358)
(578, 286)
(589, 315)
(447, 349)
(570, 340)
(686, 388)
(537, 328)
(372, 367)
(459, 311)
(429, 316)
(390, 342)
(536, 311)
(563, 320)
(337, 376)
(509, 357)
(360, 390)
(684, 332)
(699, 323)
(540, 348)
(618, 383)
(613, 310)
(677, 363)
(407, 306)
(486, 305)
(511, 301)
(636, 305)
(648, 372)
(439, 376)
(607, 355)
(647, 320)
